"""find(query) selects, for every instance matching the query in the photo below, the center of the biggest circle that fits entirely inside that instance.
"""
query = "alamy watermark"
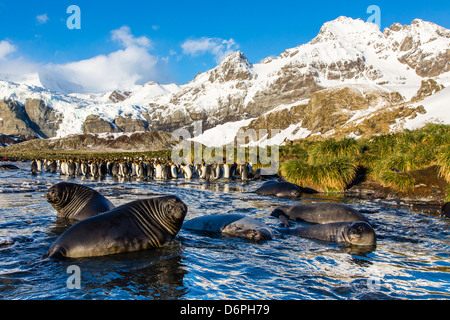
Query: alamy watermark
(373, 283)
(74, 20)
(244, 149)
(376, 15)
(74, 280)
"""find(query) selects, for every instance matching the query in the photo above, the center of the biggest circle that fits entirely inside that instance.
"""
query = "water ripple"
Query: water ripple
(411, 260)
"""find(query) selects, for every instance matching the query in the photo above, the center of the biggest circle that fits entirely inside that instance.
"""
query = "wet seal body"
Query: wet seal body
(9, 167)
(445, 212)
(231, 225)
(279, 189)
(357, 233)
(319, 213)
(75, 201)
(138, 225)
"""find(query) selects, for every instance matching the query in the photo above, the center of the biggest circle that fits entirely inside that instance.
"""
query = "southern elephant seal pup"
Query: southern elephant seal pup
(9, 167)
(445, 211)
(279, 189)
(231, 225)
(319, 213)
(138, 225)
(357, 233)
(75, 201)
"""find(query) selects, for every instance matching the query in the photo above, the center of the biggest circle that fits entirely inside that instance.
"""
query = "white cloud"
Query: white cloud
(6, 48)
(219, 48)
(125, 68)
(42, 18)
(121, 69)
(123, 36)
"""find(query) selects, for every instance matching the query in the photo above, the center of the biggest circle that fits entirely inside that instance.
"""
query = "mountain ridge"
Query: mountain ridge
(345, 52)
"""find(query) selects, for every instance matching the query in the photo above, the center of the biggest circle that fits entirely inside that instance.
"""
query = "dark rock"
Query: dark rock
(95, 124)
(427, 88)
(118, 96)
(45, 121)
(128, 124)
(15, 121)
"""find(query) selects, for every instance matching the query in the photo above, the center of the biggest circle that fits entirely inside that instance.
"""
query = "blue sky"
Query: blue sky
(177, 39)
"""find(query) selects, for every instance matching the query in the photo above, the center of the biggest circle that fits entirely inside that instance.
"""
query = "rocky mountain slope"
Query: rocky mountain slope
(350, 80)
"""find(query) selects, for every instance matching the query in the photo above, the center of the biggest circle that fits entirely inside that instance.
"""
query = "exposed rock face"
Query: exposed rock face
(279, 119)
(95, 124)
(118, 96)
(15, 121)
(292, 85)
(423, 46)
(128, 124)
(140, 141)
(234, 67)
(344, 51)
(331, 109)
(380, 122)
(44, 120)
(162, 121)
(6, 140)
(427, 88)
(33, 120)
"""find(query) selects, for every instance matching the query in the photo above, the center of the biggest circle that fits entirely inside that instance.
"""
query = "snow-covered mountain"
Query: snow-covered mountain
(387, 69)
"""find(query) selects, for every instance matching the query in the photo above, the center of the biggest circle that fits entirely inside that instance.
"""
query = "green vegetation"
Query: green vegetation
(328, 165)
(332, 165)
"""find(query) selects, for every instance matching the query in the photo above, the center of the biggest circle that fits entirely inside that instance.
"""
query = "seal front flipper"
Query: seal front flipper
(280, 214)
(284, 221)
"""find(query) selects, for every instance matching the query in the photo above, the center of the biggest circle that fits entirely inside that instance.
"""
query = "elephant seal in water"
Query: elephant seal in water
(75, 201)
(231, 225)
(9, 167)
(445, 212)
(319, 213)
(138, 225)
(279, 189)
(357, 233)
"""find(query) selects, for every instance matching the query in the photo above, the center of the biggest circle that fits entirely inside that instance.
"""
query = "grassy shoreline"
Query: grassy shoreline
(393, 161)
(399, 161)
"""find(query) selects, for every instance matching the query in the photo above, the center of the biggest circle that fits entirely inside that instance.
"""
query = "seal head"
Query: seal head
(359, 233)
(75, 201)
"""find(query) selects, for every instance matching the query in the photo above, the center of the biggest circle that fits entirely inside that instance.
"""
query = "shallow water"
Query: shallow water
(411, 259)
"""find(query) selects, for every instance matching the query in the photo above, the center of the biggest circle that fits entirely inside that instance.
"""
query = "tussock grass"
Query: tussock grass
(332, 149)
(443, 161)
(332, 164)
(332, 176)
